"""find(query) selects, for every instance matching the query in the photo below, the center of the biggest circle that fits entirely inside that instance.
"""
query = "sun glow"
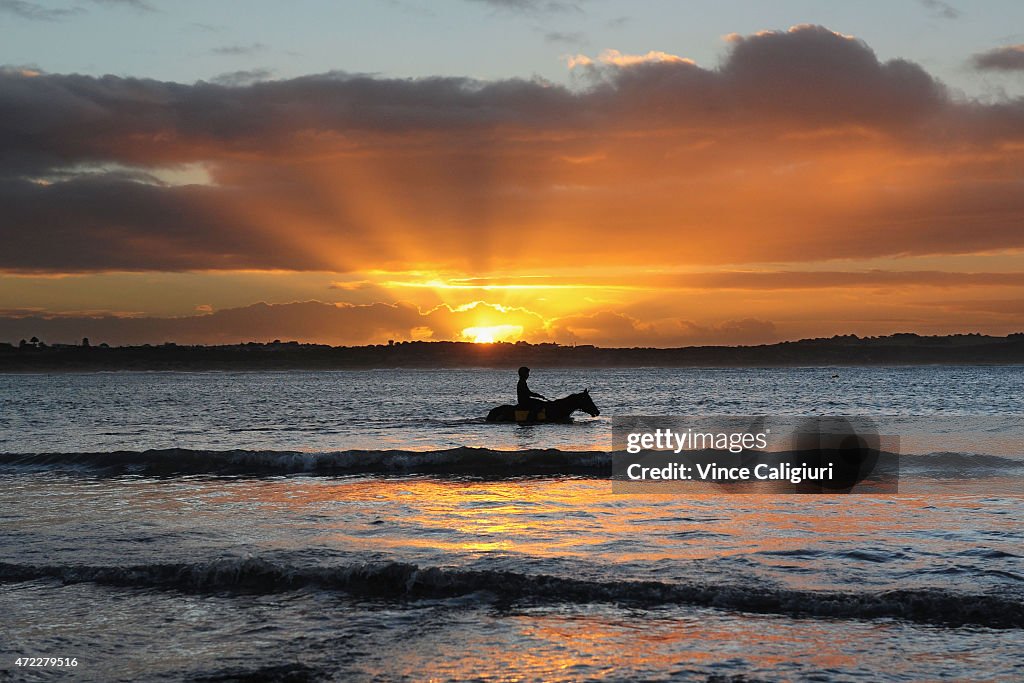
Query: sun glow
(494, 333)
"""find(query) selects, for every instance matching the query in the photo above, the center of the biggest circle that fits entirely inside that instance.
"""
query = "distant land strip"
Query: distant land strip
(846, 350)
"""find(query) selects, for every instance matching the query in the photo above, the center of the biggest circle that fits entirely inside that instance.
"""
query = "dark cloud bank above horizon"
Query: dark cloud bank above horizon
(801, 145)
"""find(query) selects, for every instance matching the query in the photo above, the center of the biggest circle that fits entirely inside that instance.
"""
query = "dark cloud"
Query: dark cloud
(803, 136)
(36, 12)
(1009, 58)
(243, 77)
(940, 9)
(126, 225)
(809, 75)
(813, 74)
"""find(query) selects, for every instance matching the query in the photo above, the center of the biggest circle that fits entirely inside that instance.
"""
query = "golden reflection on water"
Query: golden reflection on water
(610, 643)
(567, 518)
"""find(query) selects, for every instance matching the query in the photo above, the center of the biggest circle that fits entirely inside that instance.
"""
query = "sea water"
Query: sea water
(370, 525)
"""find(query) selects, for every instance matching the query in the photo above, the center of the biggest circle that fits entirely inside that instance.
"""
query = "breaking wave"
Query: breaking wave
(959, 461)
(454, 461)
(397, 580)
(462, 461)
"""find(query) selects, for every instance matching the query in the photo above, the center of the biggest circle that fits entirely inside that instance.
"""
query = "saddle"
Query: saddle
(523, 415)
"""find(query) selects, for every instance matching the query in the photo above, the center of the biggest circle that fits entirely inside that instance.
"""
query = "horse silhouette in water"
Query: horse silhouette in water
(559, 410)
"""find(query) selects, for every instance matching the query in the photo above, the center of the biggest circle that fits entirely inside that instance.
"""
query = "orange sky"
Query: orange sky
(802, 188)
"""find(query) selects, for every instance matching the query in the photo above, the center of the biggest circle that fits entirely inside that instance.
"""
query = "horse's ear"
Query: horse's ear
(587, 390)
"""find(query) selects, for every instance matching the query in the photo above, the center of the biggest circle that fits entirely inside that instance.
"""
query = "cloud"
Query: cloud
(1009, 58)
(777, 280)
(206, 28)
(616, 58)
(36, 12)
(352, 285)
(801, 145)
(1011, 310)
(239, 50)
(721, 280)
(97, 219)
(810, 73)
(140, 5)
(533, 6)
(243, 77)
(940, 9)
(569, 38)
(617, 329)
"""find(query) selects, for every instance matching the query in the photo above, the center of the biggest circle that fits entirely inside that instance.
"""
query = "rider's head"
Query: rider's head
(524, 372)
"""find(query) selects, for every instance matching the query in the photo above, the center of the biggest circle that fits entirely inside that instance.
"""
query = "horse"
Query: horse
(559, 410)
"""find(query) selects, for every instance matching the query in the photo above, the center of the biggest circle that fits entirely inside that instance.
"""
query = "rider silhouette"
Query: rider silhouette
(527, 398)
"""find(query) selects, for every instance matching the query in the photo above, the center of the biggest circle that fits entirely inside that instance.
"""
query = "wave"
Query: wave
(397, 580)
(455, 462)
(463, 461)
(954, 461)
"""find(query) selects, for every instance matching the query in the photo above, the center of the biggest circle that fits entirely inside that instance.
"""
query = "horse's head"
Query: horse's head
(587, 404)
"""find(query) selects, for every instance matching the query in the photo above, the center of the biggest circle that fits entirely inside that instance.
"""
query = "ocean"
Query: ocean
(370, 525)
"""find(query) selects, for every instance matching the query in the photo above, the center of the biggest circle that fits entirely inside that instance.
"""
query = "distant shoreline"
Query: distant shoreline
(849, 350)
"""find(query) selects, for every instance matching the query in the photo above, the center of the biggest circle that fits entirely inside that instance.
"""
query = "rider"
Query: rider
(527, 398)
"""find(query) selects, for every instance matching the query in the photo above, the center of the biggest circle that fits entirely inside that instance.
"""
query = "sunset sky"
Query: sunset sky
(616, 173)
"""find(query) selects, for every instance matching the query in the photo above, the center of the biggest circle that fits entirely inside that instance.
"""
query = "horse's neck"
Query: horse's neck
(566, 402)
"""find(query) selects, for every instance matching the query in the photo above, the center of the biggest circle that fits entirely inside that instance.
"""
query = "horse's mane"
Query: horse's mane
(578, 394)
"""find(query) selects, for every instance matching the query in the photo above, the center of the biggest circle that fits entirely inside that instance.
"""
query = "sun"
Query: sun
(494, 333)
(484, 336)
